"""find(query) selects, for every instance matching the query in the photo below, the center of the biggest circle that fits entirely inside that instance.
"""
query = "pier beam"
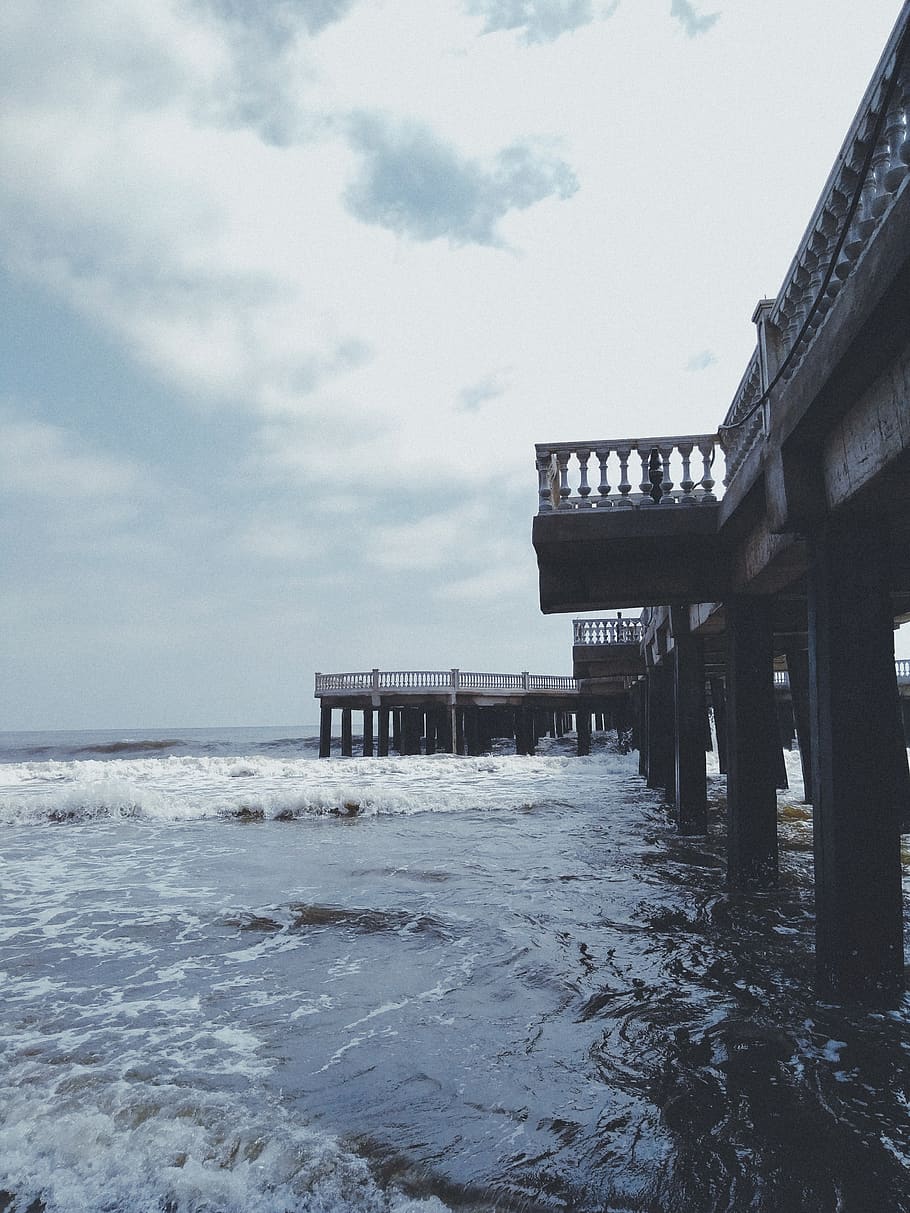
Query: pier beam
(691, 781)
(859, 764)
(325, 732)
(753, 746)
(346, 743)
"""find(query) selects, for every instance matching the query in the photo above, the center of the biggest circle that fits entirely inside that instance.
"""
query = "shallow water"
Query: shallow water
(256, 982)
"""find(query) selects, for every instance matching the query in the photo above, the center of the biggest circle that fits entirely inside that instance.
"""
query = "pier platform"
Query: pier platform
(461, 712)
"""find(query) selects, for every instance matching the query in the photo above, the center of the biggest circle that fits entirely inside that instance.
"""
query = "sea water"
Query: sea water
(239, 979)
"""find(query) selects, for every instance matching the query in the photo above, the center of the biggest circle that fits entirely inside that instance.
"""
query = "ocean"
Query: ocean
(238, 979)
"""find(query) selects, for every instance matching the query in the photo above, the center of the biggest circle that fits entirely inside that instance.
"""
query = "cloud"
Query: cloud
(265, 63)
(49, 462)
(701, 361)
(689, 19)
(415, 184)
(470, 398)
(281, 19)
(540, 20)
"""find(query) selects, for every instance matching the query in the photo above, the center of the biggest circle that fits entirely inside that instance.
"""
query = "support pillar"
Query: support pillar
(798, 672)
(719, 705)
(583, 732)
(859, 764)
(753, 746)
(368, 732)
(325, 732)
(643, 725)
(689, 732)
(383, 732)
(661, 764)
(346, 743)
(396, 730)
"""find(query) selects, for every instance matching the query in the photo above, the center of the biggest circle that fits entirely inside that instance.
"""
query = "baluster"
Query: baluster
(687, 484)
(666, 484)
(644, 454)
(880, 165)
(819, 249)
(543, 474)
(584, 489)
(706, 450)
(625, 488)
(562, 462)
(896, 134)
(603, 489)
(863, 222)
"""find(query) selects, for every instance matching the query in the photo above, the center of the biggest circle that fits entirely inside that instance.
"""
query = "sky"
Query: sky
(290, 289)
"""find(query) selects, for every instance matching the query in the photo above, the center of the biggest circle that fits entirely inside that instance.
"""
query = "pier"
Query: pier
(460, 712)
(780, 542)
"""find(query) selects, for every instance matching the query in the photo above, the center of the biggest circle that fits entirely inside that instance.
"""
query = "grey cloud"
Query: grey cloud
(540, 20)
(470, 398)
(280, 20)
(701, 361)
(689, 19)
(260, 89)
(416, 185)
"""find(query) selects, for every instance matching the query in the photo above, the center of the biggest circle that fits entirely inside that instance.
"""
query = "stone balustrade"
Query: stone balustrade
(628, 473)
(607, 631)
(872, 169)
(362, 682)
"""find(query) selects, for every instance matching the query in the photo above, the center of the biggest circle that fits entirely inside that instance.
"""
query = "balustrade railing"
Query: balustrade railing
(440, 680)
(606, 631)
(629, 473)
(871, 170)
(902, 668)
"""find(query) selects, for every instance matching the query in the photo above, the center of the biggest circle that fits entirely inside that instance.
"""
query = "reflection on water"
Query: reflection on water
(545, 1001)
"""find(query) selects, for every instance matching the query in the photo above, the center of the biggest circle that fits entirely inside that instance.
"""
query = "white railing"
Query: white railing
(607, 631)
(871, 170)
(902, 668)
(440, 680)
(630, 473)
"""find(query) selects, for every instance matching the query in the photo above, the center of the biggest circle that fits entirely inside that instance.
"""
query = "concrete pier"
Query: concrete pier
(449, 711)
(779, 545)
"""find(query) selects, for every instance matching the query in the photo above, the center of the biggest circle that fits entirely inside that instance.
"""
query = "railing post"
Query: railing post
(584, 489)
(375, 679)
(624, 486)
(525, 680)
(456, 679)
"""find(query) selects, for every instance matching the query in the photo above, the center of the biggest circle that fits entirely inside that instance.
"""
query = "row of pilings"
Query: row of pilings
(467, 729)
(845, 710)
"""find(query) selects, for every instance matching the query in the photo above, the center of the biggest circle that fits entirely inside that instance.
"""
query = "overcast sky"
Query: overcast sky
(292, 288)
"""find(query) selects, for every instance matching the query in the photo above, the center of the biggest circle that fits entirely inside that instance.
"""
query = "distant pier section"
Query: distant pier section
(460, 712)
